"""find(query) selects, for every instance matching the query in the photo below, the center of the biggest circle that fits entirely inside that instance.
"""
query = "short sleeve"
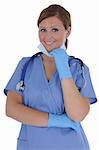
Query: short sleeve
(16, 77)
(87, 90)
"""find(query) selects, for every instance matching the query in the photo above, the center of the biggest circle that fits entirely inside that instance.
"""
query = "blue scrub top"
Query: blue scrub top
(47, 97)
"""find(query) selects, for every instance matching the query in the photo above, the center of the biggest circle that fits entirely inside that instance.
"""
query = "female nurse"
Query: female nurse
(57, 90)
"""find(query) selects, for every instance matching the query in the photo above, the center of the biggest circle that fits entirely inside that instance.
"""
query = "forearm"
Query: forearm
(76, 106)
(28, 115)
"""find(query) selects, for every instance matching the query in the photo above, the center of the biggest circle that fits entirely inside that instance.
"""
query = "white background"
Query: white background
(19, 37)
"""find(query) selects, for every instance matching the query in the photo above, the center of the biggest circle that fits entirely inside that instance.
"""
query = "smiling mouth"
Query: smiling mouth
(49, 43)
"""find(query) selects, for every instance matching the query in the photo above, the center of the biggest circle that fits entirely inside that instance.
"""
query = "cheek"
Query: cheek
(41, 38)
(63, 36)
(61, 39)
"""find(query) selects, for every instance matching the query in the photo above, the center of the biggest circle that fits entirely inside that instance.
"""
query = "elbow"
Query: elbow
(80, 116)
(7, 111)
(77, 118)
(12, 105)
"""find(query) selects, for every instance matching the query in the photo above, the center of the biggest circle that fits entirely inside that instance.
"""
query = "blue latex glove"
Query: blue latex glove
(63, 121)
(61, 60)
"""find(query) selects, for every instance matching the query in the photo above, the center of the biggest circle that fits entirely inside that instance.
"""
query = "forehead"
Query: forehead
(51, 21)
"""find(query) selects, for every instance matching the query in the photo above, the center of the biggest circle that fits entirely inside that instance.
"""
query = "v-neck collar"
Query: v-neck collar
(44, 74)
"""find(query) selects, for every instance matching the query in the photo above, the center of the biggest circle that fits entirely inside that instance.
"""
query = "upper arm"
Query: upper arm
(87, 101)
(12, 100)
(81, 76)
(13, 97)
(16, 78)
(87, 90)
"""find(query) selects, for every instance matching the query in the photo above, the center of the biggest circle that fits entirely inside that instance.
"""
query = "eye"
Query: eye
(55, 29)
(42, 30)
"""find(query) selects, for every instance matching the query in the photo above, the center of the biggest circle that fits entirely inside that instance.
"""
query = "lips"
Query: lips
(49, 43)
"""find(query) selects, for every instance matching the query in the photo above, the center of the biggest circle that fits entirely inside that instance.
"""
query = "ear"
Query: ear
(68, 31)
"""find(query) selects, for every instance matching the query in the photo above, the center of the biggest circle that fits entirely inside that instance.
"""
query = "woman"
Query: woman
(56, 93)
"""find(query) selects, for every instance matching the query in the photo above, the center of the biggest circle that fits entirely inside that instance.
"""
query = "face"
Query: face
(52, 33)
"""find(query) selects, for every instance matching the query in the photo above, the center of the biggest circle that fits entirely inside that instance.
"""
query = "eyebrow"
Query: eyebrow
(54, 26)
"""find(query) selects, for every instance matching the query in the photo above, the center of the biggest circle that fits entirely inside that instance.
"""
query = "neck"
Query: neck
(47, 59)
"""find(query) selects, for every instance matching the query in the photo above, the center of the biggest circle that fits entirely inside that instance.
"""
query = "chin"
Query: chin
(49, 49)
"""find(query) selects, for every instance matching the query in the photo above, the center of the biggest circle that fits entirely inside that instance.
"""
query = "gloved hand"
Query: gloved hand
(61, 60)
(63, 121)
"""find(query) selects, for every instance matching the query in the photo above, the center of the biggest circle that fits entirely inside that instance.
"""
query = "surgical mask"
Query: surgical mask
(44, 51)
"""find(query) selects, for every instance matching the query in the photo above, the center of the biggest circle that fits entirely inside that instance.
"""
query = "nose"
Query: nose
(49, 35)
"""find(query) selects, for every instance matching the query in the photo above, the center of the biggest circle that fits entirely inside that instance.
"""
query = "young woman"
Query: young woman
(51, 93)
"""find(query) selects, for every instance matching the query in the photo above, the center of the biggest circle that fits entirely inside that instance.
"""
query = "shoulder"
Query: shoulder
(77, 64)
(28, 60)
(79, 70)
(25, 59)
(22, 62)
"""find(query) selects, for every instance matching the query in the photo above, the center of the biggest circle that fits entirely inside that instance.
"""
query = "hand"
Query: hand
(61, 60)
(63, 121)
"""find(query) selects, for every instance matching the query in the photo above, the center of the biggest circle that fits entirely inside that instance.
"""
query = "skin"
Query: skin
(52, 33)
(76, 106)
